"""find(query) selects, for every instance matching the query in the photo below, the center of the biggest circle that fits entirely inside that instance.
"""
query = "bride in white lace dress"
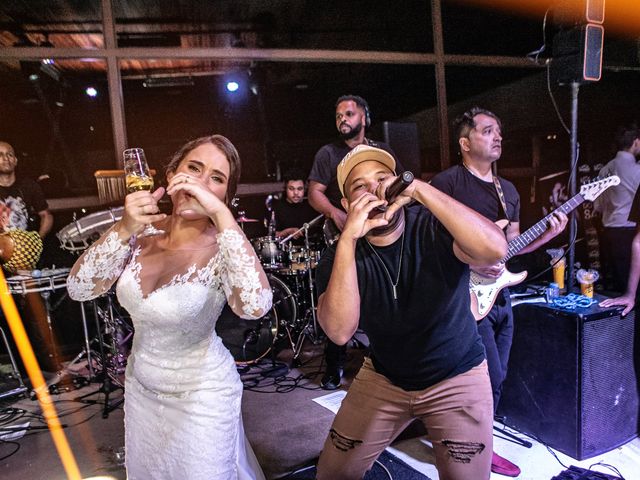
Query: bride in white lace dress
(183, 393)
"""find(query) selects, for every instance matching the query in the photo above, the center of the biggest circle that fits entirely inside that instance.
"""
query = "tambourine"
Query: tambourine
(20, 250)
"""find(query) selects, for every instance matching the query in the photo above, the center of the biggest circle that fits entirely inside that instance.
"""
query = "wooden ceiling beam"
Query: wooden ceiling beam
(269, 55)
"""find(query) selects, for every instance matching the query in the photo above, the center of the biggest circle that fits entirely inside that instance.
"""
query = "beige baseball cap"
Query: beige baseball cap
(359, 154)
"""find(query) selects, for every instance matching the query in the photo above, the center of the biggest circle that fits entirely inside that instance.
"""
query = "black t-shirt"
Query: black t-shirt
(25, 199)
(428, 334)
(295, 215)
(634, 213)
(325, 165)
(481, 196)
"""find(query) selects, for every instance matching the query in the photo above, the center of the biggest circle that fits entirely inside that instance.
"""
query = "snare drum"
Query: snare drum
(81, 233)
(269, 252)
(46, 280)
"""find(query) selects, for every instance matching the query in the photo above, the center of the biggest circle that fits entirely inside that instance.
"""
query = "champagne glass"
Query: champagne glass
(137, 177)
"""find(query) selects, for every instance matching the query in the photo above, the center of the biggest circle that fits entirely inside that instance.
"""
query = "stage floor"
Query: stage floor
(283, 423)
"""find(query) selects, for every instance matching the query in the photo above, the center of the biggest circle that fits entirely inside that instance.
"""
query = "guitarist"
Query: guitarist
(479, 134)
(352, 118)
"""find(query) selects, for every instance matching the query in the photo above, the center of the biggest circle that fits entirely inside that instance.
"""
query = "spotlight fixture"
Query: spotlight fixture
(233, 86)
(91, 92)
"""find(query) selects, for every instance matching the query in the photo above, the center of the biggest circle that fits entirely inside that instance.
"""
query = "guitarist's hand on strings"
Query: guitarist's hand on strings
(494, 271)
(557, 223)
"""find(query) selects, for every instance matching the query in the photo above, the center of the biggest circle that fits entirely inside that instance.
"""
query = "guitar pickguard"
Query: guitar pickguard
(484, 290)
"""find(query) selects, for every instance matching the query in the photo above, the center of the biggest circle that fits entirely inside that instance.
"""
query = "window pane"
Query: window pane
(51, 23)
(482, 31)
(55, 126)
(280, 114)
(404, 25)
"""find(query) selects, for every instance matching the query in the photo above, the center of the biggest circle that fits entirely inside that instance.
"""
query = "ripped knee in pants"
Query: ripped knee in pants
(341, 442)
(463, 452)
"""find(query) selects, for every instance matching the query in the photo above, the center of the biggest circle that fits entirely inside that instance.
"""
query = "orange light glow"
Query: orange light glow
(621, 16)
(37, 381)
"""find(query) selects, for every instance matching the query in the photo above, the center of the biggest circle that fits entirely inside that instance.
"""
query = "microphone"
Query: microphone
(396, 188)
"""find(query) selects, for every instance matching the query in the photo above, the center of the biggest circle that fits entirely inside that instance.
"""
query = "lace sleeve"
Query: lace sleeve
(98, 268)
(246, 287)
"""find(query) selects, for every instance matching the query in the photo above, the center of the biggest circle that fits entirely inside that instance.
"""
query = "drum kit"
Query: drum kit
(290, 269)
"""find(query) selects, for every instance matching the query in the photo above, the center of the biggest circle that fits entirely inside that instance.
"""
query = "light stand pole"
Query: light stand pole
(573, 174)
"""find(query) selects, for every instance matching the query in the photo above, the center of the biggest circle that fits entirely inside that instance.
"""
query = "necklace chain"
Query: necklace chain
(386, 270)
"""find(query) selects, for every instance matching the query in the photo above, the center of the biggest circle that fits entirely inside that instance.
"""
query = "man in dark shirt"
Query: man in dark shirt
(21, 199)
(23, 212)
(352, 117)
(402, 277)
(293, 211)
(473, 183)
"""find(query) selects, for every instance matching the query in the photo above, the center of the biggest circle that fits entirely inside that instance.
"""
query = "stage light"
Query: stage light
(233, 86)
(91, 91)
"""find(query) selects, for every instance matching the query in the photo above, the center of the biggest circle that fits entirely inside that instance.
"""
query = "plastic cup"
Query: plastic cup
(586, 285)
(587, 289)
(558, 273)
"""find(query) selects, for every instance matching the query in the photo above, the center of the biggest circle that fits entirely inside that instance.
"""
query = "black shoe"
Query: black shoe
(331, 378)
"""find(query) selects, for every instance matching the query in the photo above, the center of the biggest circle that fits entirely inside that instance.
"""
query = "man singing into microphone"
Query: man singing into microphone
(402, 276)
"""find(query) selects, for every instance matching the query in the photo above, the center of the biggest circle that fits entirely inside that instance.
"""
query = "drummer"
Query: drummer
(22, 203)
(293, 210)
(25, 213)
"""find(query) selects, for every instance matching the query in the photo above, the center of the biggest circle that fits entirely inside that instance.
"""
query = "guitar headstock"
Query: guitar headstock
(592, 190)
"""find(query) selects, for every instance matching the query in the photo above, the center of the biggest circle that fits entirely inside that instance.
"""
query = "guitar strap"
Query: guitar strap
(496, 182)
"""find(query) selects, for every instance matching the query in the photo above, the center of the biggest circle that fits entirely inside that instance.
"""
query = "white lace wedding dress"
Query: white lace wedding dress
(182, 390)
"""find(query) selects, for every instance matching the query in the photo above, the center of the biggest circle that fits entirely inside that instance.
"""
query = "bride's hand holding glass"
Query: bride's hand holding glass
(143, 205)
(140, 211)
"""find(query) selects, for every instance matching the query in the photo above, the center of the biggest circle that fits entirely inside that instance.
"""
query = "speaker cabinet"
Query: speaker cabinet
(577, 54)
(574, 12)
(403, 139)
(571, 381)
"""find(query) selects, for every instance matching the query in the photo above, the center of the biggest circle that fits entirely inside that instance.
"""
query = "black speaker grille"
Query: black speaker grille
(572, 378)
(609, 399)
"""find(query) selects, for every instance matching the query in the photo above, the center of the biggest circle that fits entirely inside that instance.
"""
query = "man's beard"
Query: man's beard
(354, 132)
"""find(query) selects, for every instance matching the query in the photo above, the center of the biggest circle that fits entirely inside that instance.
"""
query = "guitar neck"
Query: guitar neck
(526, 238)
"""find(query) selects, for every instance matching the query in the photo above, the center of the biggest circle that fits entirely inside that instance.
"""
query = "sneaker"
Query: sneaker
(502, 466)
(331, 378)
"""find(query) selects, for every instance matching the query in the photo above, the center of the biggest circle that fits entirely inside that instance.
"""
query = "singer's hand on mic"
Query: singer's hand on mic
(404, 197)
(360, 218)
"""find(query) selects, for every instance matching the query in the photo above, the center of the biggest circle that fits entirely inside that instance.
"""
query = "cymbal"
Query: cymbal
(243, 219)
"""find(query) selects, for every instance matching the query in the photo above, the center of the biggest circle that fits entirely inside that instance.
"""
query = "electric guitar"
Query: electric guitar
(484, 290)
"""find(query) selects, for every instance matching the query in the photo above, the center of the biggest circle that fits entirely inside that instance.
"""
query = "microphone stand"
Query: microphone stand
(304, 227)
(313, 322)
